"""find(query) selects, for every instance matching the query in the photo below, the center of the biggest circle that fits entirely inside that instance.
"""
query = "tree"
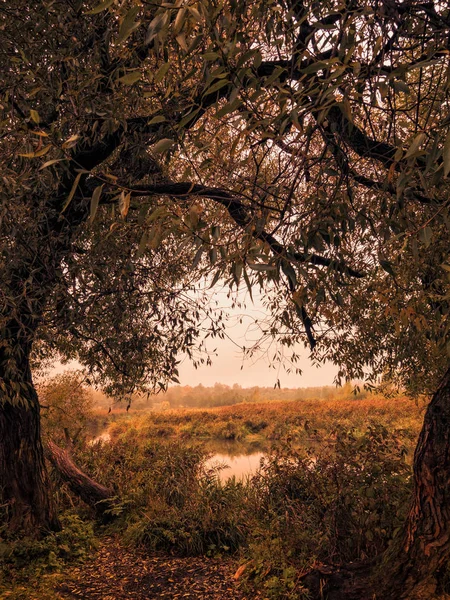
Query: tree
(67, 407)
(301, 147)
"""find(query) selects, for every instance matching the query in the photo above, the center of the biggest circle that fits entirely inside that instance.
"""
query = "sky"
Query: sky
(228, 365)
(226, 368)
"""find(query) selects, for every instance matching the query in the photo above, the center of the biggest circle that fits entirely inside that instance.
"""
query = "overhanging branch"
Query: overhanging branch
(240, 215)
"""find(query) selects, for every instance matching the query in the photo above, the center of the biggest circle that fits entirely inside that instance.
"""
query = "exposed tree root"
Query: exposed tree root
(92, 493)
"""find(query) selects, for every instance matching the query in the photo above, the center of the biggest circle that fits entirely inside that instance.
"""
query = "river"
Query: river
(239, 466)
(236, 458)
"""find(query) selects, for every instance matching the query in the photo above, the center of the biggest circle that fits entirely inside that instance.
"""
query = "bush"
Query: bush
(24, 561)
(344, 503)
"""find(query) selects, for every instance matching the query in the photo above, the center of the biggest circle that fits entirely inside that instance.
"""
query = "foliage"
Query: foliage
(167, 499)
(333, 494)
(304, 422)
(224, 395)
(342, 501)
(24, 561)
(298, 147)
(353, 496)
(66, 404)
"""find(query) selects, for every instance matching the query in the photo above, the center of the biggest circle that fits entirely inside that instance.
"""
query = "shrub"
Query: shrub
(342, 504)
(74, 541)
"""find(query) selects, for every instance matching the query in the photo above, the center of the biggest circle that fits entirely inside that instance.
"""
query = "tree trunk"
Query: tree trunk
(411, 568)
(91, 492)
(416, 560)
(24, 482)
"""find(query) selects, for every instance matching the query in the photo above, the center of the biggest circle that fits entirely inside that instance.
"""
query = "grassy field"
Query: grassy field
(298, 422)
(333, 487)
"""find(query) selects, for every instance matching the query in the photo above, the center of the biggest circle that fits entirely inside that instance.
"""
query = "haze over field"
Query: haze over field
(228, 363)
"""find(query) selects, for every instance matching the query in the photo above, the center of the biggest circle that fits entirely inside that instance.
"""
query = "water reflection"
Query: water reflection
(239, 466)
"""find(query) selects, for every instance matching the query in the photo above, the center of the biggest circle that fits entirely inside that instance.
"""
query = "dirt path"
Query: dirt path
(120, 573)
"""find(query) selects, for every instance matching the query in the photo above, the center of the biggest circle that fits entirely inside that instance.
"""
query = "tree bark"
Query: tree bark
(414, 564)
(412, 567)
(91, 492)
(24, 482)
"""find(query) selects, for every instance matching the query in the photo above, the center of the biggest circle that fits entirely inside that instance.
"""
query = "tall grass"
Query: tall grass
(333, 487)
(343, 502)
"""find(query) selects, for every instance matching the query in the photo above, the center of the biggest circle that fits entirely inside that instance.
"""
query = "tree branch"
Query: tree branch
(240, 215)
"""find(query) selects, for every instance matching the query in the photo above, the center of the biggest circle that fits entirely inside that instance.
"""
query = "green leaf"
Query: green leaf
(180, 20)
(158, 212)
(210, 56)
(100, 7)
(130, 78)
(417, 142)
(155, 26)
(161, 72)
(262, 267)
(197, 257)
(426, 235)
(216, 86)
(72, 192)
(181, 39)
(187, 118)
(290, 273)
(236, 271)
(446, 155)
(143, 244)
(128, 24)
(215, 232)
(248, 284)
(315, 67)
(157, 119)
(94, 203)
(228, 108)
(216, 278)
(162, 146)
(35, 116)
(274, 76)
(195, 13)
(213, 256)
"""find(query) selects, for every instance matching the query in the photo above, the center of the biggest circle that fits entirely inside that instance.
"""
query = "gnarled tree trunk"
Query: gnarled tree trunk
(92, 493)
(24, 482)
(415, 562)
(411, 568)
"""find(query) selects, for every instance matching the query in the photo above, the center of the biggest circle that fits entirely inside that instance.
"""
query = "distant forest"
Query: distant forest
(223, 395)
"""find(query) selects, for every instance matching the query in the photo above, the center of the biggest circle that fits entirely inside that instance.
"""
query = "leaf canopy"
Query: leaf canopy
(296, 147)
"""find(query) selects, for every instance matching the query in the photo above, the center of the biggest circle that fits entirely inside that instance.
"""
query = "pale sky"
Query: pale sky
(228, 365)
(226, 368)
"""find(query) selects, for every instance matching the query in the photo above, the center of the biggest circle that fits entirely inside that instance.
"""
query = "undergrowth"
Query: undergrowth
(328, 491)
(341, 502)
(29, 566)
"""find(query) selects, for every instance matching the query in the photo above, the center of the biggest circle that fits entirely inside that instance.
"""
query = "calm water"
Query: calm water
(240, 466)
(236, 459)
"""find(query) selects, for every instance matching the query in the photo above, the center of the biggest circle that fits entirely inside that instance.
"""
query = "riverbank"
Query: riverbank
(250, 428)
(280, 522)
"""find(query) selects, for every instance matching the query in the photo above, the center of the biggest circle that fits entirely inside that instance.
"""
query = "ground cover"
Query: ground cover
(333, 488)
